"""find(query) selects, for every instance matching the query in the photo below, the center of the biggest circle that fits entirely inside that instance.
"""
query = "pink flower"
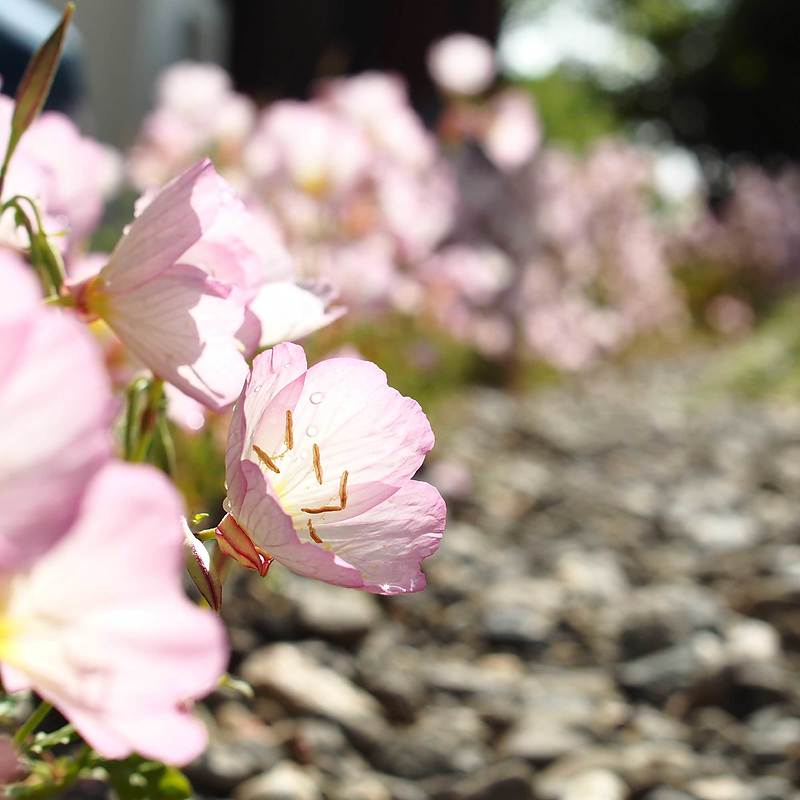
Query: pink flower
(319, 467)
(172, 315)
(462, 64)
(55, 414)
(100, 627)
(513, 132)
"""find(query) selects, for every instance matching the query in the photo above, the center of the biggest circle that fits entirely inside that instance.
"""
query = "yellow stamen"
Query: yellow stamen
(321, 509)
(266, 460)
(343, 490)
(312, 533)
(317, 464)
(288, 436)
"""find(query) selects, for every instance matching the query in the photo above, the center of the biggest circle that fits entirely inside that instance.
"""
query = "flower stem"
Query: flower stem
(32, 723)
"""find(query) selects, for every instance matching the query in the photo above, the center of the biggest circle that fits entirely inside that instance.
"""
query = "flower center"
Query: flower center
(272, 463)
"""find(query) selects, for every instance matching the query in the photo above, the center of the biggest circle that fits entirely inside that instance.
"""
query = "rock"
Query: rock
(772, 738)
(508, 780)
(721, 531)
(283, 671)
(593, 575)
(286, 781)
(596, 784)
(443, 740)
(667, 793)
(659, 675)
(332, 612)
(752, 640)
(641, 765)
(541, 740)
(522, 612)
(722, 787)
(227, 763)
(362, 787)
(657, 617)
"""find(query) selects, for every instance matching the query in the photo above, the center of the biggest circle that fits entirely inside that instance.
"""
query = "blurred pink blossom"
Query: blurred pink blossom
(198, 114)
(319, 467)
(55, 416)
(70, 176)
(462, 64)
(116, 646)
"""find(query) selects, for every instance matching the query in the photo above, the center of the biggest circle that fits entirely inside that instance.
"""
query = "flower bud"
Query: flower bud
(234, 542)
(198, 565)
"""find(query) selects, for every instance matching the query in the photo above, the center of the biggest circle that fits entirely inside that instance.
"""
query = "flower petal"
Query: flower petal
(359, 424)
(176, 218)
(387, 543)
(261, 515)
(55, 414)
(288, 312)
(271, 372)
(20, 297)
(123, 648)
(182, 325)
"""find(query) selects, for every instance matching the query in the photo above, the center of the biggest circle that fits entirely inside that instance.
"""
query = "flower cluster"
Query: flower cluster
(749, 246)
(517, 248)
(93, 547)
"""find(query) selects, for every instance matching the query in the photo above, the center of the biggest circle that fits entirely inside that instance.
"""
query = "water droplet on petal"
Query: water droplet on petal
(311, 431)
(316, 398)
(257, 389)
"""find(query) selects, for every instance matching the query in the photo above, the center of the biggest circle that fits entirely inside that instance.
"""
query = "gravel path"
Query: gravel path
(613, 615)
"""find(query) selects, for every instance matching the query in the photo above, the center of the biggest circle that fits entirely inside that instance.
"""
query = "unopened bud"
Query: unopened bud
(198, 565)
(235, 543)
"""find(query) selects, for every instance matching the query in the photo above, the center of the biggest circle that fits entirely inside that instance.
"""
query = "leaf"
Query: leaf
(138, 779)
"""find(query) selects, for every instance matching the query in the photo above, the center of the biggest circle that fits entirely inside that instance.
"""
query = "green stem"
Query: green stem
(149, 421)
(32, 723)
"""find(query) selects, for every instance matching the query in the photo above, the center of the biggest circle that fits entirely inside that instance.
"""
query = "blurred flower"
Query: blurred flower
(319, 467)
(55, 415)
(512, 133)
(70, 177)
(100, 627)
(462, 64)
(198, 114)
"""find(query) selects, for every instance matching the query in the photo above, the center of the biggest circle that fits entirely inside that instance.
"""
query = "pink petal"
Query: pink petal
(182, 325)
(387, 543)
(20, 297)
(360, 425)
(123, 649)
(288, 312)
(55, 409)
(261, 515)
(177, 218)
(272, 371)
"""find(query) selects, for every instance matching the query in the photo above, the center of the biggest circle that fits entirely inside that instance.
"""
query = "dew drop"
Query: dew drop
(316, 398)
(311, 431)
(257, 389)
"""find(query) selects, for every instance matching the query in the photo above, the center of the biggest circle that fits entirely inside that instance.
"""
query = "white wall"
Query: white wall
(126, 43)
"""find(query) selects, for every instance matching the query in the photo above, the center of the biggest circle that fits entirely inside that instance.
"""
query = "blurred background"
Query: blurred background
(571, 230)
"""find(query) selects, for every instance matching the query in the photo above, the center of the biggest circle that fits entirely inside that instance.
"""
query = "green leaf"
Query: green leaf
(35, 85)
(138, 779)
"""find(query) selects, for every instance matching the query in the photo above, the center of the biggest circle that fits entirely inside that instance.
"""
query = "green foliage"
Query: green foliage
(574, 112)
(138, 779)
(766, 363)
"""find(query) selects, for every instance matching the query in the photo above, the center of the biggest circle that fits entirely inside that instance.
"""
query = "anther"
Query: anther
(312, 533)
(317, 463)
(288, 436)
(321, 509)
(265, 459)
(343, 490)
